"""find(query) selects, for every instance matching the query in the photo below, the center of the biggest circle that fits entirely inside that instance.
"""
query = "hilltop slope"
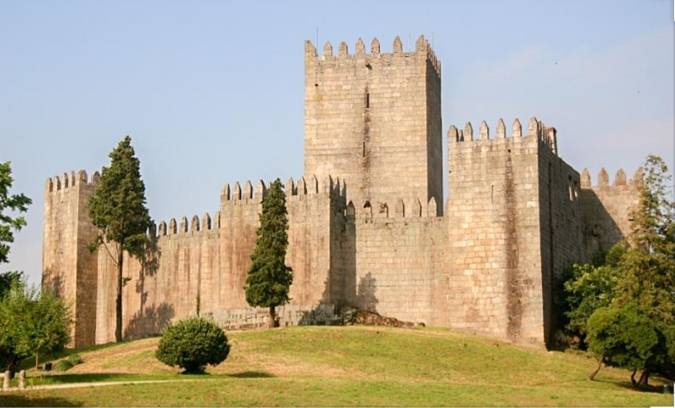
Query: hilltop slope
(350, 366)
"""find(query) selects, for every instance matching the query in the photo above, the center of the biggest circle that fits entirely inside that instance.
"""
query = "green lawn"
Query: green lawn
(318, 366)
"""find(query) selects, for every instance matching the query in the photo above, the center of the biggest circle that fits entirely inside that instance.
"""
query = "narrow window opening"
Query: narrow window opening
(368, 210)
(492, 194)
(364, 149)
(367, 100)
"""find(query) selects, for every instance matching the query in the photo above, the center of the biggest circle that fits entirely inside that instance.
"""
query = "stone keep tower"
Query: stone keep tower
(374, 119)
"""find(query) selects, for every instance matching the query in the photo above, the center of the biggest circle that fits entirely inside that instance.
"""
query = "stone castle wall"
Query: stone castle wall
(606, 209)
(560, 224)
(374, 119)
(398, 252)
(494, 275)
(200, 266)
(486, 266)
(378, 237)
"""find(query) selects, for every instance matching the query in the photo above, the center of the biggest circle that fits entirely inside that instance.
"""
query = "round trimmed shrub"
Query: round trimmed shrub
(192, 344)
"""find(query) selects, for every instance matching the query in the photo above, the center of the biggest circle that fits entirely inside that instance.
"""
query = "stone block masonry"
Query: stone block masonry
(199, 267)
(606, 209)
(68, 267)
(374, 119)
(367, 225)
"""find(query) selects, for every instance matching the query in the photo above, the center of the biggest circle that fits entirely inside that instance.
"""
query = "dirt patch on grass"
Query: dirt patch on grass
(138, 358)
(135, 357)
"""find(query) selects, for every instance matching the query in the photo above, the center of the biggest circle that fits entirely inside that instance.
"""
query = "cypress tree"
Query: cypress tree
(269, 278)
(117, 209)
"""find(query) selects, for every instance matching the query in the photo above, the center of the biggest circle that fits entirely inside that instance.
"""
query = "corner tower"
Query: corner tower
(69, 268)
(374, 120)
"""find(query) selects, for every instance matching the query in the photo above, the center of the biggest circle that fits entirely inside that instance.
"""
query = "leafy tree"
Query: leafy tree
(590, 287)
(30, 323)
(621, 336)
(14, 344)
(16, 203)
(269, 278)
(9, 279)
(192, 344)
(648, 267)
(636, 329)
(48, 322)
(117, 208)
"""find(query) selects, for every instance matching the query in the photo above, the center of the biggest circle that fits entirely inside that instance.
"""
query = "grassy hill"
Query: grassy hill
(318, 366)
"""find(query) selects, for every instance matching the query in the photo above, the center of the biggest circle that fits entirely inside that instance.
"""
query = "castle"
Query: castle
(367, 224)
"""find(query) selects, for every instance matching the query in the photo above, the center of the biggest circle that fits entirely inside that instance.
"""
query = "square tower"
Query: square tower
(69, 268)
(374, 120)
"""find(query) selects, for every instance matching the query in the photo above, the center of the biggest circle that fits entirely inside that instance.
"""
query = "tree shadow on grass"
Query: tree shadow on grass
(251, 374)
(24, 400)
(241, 374)
(87, 378)
(656, 389)
(652, 388)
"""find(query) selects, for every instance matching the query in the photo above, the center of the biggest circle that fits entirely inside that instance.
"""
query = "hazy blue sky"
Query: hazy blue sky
(212, 91)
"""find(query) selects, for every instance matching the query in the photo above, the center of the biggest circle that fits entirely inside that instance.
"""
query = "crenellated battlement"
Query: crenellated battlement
(422, 49)
(606, 208)
(194, 227)
(311, 185)
(536, 130)
(238, 195)
(68, 180)
(408, 209)
(294, 188)
(619, 181)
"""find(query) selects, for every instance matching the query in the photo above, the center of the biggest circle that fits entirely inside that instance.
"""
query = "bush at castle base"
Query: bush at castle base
(192, 344)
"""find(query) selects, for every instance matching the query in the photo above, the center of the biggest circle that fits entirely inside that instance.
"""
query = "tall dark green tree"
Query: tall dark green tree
(269, 278)
(117, 208)
(10, 203)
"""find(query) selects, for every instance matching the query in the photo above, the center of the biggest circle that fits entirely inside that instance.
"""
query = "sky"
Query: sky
(212, 91)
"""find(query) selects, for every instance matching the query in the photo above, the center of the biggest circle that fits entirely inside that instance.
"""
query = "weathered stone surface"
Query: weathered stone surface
(68, 267)
(367, 224)
(375, 121)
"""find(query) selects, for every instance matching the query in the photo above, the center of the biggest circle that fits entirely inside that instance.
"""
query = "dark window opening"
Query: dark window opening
(367, 100)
